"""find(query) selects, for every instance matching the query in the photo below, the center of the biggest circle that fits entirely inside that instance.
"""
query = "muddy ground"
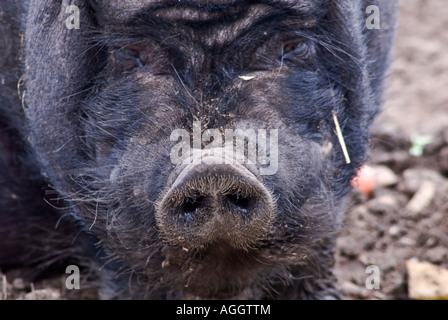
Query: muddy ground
(406, 214)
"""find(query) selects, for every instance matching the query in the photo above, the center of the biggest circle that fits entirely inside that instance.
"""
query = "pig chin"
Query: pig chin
(216, 271)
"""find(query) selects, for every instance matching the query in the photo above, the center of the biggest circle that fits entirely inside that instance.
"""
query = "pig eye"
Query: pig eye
(126, 59)
(291, 50)
(142, 55)
(296, 50)
(290, 46)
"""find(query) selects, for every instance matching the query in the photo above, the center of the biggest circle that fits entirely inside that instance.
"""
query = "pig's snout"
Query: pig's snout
(215, 203)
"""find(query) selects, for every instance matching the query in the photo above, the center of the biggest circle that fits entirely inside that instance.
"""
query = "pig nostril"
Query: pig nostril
(189, 207)
(238, 203)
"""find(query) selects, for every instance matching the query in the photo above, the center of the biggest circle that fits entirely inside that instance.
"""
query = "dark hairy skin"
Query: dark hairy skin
(97, 107)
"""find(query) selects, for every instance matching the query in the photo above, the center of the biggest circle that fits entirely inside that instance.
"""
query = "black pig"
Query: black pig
(112, 99)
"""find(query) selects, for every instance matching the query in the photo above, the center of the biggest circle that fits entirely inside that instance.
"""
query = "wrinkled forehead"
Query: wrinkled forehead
(122, 10)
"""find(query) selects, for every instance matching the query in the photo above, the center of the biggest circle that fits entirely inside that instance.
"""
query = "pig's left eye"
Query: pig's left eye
(296, 50)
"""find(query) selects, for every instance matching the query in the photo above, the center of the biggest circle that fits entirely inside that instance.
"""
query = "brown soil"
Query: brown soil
(386, 229)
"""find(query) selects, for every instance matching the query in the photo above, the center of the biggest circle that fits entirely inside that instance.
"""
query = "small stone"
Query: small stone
(414, 178)
(18, 283)
(408, 241)
(422, 198)
(43, 294)
(394, 231)
(388, 200)
(354, 290)
(382, 204)
(426, 281)
(436, 255)
(384, 177)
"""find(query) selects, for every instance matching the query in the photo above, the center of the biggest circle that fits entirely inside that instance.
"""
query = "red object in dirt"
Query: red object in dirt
(365, 180)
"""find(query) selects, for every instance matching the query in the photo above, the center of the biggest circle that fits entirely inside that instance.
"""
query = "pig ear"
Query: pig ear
(358, 58)
(379, 32)
(367, 49)
(54, 50)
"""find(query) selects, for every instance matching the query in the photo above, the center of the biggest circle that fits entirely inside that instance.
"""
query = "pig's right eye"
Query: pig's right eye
(126, 59)
(142, 55)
